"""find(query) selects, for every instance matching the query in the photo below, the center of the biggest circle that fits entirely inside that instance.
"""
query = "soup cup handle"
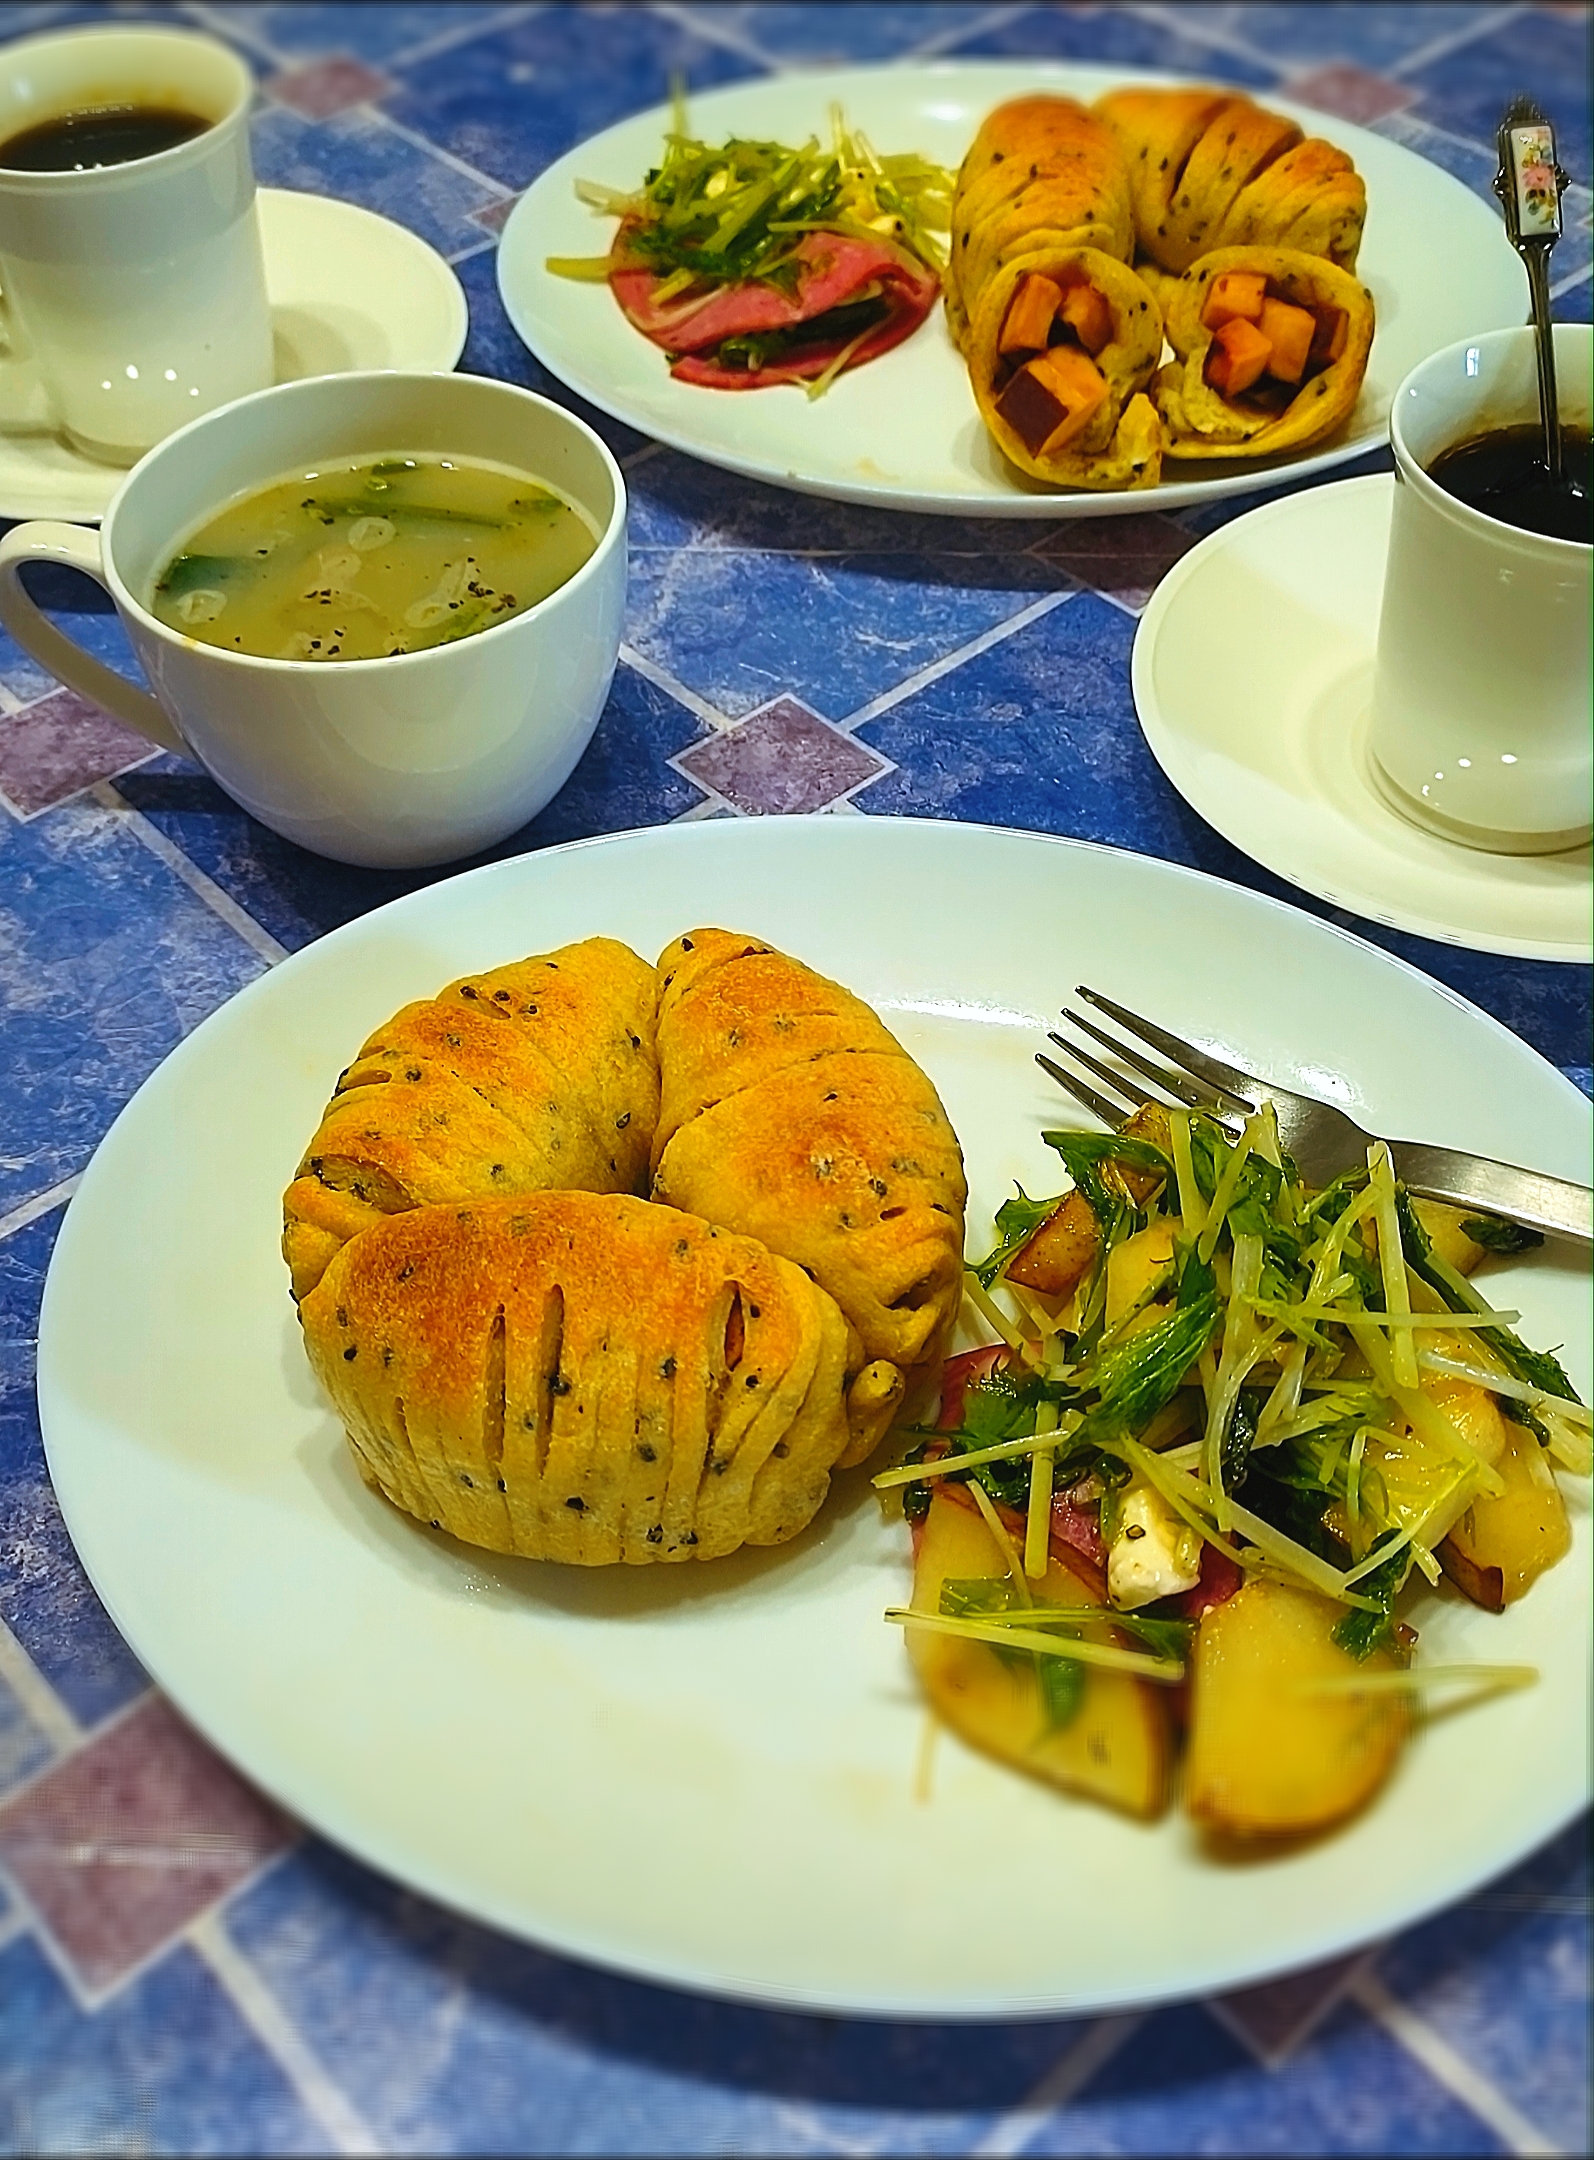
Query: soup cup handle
(78, 546)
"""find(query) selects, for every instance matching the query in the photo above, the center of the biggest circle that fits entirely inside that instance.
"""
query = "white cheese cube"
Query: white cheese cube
(1153, 1553)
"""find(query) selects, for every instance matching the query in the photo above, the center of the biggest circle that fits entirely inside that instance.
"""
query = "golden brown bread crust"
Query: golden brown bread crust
(539, 1075)
(474, 1178)
(584, 1377)
(791, 1113)
(1200, 423)
(1045, 190)
(1042, 171)
(1209, 169)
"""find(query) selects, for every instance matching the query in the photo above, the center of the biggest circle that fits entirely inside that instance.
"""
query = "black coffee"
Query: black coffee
(106, 135)
(1504, 475)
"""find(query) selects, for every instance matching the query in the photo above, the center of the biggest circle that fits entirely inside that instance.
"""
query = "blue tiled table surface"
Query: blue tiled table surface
(181, 1968)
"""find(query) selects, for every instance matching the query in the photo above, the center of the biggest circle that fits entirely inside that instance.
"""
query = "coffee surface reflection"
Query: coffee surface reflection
(101, 135)
(1504, 475)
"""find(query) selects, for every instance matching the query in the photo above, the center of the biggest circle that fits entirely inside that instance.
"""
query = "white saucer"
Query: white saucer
(1252, 670)
(348, 290)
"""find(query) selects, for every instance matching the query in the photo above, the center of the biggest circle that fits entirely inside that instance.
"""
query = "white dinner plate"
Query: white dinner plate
(904, 432)
(348, 289)
(706, 1775)
(1252, 673)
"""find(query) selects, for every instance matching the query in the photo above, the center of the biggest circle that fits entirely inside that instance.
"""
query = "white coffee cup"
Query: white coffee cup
(134, 294)
(411, 759)
(1481, 688)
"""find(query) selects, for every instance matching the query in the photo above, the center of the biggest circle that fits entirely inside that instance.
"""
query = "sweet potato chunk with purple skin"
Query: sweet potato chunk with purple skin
(1029, 320)
(1290, 331)
(1238, 357)
(1236, 296)
(1062, 1251)
(1330, 337)
(1505, 1541)
(1051, 402)
(1088, 315)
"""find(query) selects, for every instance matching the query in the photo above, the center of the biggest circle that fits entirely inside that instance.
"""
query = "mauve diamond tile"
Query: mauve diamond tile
(1350, 92)
(133, 1836)
(782, 761)
(59, 744)
(494, 216)
(1121, 558)
(1274, 2019)
(328, 86)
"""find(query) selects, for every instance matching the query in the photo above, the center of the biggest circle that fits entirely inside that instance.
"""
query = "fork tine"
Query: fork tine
(1132, 1094)
(1240, 1088)
(1099, 1107)
(1191, 1092)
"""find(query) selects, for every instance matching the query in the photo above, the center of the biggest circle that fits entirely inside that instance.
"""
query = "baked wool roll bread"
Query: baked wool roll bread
(1209, 169)
(1059, 333)
(791, 1113)
(1270, 350)
(535, 1076)
(584, 1377)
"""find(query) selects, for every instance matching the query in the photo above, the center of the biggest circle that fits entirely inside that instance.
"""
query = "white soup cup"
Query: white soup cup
(411, 759)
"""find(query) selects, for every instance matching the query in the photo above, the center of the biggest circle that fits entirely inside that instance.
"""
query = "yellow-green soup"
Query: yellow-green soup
(361, 560)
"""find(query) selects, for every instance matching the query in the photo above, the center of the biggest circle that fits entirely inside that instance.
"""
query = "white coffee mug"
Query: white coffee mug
(135, 294)
(1481, 688)
(410, 759)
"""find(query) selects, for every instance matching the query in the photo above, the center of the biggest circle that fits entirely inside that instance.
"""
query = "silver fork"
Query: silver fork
(1323, 1141)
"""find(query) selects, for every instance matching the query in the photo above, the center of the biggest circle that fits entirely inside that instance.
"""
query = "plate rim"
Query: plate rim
(1237, 1969)
(1021, 504)
(1165, 739)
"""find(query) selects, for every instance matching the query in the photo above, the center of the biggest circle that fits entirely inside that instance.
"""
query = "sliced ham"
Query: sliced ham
(831, 270)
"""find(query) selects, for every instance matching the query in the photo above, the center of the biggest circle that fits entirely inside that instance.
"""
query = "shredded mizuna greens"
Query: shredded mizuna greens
(1263, 1375)
(731, 214)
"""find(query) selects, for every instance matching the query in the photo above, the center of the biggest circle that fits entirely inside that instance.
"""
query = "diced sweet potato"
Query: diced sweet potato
(1114, 1748)
(1059, 1255)
(1087, 313)
(1290, 331)
(1238, 357)
(1236, 296)
(1030, 318)
(1449, 1240)
(1504, 1541)
(1273, 1753)
(1051, 401)
(1061, 1251)
(1330, 337)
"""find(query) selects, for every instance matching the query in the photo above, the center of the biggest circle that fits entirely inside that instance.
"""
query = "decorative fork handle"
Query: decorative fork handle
(1551, 1204)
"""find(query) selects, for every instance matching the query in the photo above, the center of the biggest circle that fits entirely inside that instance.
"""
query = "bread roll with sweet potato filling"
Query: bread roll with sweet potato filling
(1271, 347)
(1060, 335)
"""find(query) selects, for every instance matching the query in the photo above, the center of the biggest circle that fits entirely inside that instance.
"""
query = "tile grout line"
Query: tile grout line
(500, 192)
(1166, 19)
(702, 24)
(322, 2098)
(218, 21)
(1440, 48)
(446, 40)
(1067, 2078)
(662, 679)
(991, 18)
(42, 1704)
(1448, 2068)
(948, 661)
(30, 1210)
(261, 941)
